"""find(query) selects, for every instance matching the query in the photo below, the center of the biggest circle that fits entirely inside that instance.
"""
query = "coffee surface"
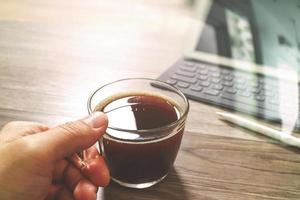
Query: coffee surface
(140, 112)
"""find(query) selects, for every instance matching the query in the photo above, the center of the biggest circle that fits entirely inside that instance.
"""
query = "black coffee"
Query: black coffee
(142, 160)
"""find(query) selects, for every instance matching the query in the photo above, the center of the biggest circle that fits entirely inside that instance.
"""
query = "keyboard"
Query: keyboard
(226, 87)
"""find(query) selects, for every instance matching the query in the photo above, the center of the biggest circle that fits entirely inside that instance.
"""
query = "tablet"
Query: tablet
(260, 36)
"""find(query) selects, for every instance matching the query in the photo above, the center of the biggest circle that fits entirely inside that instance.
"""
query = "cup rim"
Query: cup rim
(183, 116)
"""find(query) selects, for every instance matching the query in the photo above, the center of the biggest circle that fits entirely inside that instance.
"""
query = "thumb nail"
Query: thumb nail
(96, 120)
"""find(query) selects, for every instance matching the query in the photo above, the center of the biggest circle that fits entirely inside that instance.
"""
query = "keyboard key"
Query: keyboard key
(260, 98)
(203, 72)
(218, 87)
(184, 79)
(225, 71)
(189, 64)
(202, 77)
(269, 87)
(244, 93)
(255, 90)
(204, 83)
(185, 73)
(188, 69)
(231, 90)
(228, 77)
(234, 98)
(240, 81)
(262, 92)
(269, 93)
(216, 74)
(201, 66)
(239, 74)
(228, 96)
(253, 78)
(240, 87)
(242, 75)
(227, 83)
(212, 92)
(253, 84)
(196, 88)
(248, 101)
(171, 82)
(215, 80)
(183, 85)
(273, 101)
(214, 69)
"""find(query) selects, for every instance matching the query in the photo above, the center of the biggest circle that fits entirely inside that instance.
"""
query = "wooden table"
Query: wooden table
(54, 53)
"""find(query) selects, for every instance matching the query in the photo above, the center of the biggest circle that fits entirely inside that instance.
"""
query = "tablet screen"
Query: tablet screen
(264, 32)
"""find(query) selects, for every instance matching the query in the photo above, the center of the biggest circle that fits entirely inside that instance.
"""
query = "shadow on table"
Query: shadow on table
(170, 188)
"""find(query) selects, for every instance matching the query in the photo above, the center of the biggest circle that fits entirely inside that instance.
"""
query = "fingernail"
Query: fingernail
(96, 120)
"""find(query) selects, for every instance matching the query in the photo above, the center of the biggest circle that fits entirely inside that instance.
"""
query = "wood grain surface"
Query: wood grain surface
(53, 54)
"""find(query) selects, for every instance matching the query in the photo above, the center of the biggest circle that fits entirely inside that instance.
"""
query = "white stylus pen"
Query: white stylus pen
(255, 126)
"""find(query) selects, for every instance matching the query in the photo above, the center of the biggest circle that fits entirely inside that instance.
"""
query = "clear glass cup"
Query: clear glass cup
(140, 158)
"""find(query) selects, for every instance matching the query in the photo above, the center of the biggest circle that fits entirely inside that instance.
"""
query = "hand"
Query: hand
(36, 162)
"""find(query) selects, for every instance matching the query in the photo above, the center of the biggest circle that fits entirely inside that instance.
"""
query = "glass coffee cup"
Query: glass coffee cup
(146, 124)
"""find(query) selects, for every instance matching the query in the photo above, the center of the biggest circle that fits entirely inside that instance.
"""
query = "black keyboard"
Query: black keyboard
(226, 87)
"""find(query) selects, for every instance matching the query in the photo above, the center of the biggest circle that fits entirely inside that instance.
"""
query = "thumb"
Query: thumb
(64, 140)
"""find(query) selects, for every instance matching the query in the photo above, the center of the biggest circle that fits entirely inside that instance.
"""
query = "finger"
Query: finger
(72, 137)
(53, 191)
(96, 171)
(64, 194)
(85, 190)
(67, 174)
(72, 177)
(90, 153)
(16, 129)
